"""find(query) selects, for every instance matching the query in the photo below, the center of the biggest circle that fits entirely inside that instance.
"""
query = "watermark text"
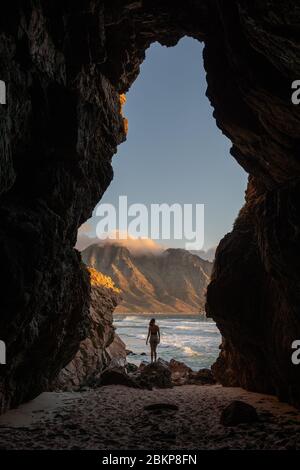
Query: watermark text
(296, 354)
(2, 352)
(296, 94)
(157, 221)
(2, 92)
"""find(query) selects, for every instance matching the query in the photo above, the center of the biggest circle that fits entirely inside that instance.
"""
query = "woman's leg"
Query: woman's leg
(152, 351)
(155, 355)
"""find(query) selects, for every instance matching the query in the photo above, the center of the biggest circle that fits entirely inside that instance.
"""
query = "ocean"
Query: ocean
(191, 339)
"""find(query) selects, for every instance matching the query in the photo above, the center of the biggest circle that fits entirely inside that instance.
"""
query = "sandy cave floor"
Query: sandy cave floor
(113, 417)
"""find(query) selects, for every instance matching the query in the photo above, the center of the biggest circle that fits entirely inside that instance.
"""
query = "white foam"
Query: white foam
(190, 352)
(129, 318)
(182, 327)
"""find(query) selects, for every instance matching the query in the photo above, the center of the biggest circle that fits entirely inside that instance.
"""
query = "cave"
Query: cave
(65, 66)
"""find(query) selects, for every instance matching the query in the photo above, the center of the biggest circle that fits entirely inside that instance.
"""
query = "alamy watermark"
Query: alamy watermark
(296, 354)
(2, 352)
(157, 221)
(295, 358)
(2, 101)
(296, 94)
(2, 92)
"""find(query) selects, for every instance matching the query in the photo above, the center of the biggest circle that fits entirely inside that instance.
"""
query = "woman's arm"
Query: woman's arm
(148, 335)
(158, 332)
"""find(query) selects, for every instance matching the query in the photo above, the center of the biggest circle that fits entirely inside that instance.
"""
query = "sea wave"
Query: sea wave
(187, 339)
(179, 350)
(129, 318)
(190, 352)
(134, 335)
(185, 327)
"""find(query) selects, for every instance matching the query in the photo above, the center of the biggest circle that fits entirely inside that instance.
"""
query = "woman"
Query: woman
(154, 335)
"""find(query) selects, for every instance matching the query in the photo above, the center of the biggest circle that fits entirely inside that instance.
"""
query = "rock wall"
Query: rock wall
(101, 345)
(254, 292)
(65, 64)
(59, 130)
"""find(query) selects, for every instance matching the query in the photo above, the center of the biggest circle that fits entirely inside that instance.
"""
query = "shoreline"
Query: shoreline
(161, 314)
(193, 340)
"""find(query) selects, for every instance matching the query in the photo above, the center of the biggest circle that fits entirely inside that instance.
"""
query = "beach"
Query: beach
(113, 417)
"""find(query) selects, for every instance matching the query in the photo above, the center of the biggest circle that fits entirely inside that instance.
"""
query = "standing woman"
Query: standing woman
(154, 335)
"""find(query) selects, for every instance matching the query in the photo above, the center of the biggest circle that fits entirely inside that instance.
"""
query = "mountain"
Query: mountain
(173, 281)
(208, 255)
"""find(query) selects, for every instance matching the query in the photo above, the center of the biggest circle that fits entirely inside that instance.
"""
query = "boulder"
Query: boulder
(142, 365)
(156, 375)
(180, 372)
(117, 349)
(161, 373)
(131, 367)
(202, 377)
(238, 412)
(116, 377)
(183, 375)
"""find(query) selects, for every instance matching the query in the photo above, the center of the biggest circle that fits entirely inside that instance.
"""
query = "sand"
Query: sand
(113, 417)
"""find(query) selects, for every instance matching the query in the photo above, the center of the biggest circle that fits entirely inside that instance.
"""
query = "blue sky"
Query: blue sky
(174, 151)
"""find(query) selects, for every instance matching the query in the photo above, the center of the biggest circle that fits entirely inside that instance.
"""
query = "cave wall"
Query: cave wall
(254, 291)
(65, 64)
(59, 130)
(99, 348)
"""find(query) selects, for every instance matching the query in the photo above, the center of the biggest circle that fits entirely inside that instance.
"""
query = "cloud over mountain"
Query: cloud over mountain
(136, 246)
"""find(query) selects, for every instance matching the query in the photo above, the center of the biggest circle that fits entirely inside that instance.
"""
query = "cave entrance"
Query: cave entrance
(65, 68)
(173, 154)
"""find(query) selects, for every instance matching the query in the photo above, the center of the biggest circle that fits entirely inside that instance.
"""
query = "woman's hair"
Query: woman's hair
(152, 321)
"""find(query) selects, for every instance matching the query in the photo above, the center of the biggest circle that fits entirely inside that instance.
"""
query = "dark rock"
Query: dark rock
(131, 367)
(157, 375)
(183, 375)
(180, 367)
(117, 363)
(238, 412)
(202, 377)
(254, 294)
(116, 377)
(180, 372)
(116, 349)
(161, 406)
